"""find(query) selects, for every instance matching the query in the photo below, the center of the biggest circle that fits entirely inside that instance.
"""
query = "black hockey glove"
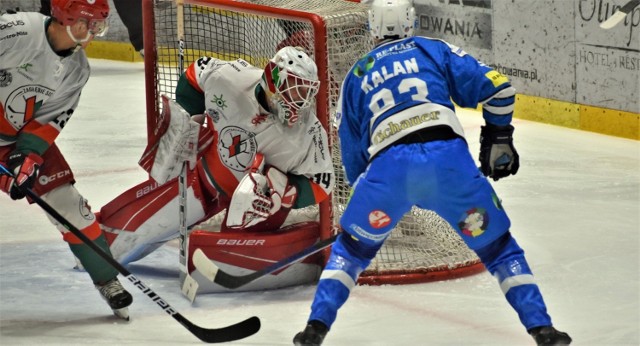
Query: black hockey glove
(25, 168)
(498, 156)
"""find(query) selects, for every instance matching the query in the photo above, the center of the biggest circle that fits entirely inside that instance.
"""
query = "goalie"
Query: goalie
(260, 152)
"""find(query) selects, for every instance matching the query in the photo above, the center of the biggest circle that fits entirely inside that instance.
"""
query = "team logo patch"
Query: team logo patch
(85, 209)
(5, 78)
(259, 119)
(22, 103)
(474, 222)
(214, 114)
(496, 78)
(219, 101)
(364, 65)
(25, 67)
(271, 76)
(25, 70)
(237, 148)
(379, 219)
(44, 179)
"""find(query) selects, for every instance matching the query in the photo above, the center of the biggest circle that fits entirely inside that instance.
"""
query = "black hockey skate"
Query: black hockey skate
(312, 335)
(549, 336)
(117, 297)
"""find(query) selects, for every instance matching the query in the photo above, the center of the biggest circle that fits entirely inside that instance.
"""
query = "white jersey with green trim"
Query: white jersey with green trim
(244, 128)
(38, 87)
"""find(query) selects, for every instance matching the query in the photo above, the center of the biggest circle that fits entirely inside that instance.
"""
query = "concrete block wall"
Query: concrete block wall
(554, 53)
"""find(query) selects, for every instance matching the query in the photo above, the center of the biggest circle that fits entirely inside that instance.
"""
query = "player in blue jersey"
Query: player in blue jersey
(402, 145)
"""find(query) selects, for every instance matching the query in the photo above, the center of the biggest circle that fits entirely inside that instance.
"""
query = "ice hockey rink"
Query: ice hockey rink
(574, 206)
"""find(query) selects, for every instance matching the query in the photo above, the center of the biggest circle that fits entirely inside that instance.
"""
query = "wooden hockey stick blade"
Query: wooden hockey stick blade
(215, 274)
(233, 332)
(620, 14)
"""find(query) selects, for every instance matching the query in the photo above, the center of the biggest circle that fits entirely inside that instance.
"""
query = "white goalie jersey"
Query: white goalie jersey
(144, 217)
(244, 128)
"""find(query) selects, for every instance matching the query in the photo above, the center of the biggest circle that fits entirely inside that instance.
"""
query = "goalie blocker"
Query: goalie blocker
(241, 253)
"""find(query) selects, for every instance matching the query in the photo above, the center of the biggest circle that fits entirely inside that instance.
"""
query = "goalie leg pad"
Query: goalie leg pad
(145, 217)
(241, 252)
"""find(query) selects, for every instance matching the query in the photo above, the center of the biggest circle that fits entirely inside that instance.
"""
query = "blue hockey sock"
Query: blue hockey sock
(348, 259)
(506, 262)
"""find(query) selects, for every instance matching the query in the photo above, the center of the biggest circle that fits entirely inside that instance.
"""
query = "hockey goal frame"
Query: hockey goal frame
(326, 99)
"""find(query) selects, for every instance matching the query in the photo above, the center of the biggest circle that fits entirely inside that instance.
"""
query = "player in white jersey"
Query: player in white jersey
(403, 146)
(43, 69)
(268, 154)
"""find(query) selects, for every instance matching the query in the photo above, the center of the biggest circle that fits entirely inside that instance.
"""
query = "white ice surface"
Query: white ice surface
(574, 206)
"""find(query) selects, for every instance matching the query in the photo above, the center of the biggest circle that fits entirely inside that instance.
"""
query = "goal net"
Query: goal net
(423, 247)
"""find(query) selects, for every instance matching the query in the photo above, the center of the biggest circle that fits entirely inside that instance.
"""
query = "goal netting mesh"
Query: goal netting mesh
(423, 247)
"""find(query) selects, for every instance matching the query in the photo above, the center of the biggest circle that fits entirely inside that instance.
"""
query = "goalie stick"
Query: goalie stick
(224, 279)
(233, 332)
(620, 14)
(182, 178)
(189, 286)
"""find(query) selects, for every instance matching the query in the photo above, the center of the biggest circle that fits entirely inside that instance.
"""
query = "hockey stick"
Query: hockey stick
(236, 331)
(620, 14)
(183, 172)
(215, 274)
(189, 286)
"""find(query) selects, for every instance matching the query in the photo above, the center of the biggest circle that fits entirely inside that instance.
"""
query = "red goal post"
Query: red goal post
(423, 247)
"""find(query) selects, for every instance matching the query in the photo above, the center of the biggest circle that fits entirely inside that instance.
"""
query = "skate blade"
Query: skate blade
(122, 313)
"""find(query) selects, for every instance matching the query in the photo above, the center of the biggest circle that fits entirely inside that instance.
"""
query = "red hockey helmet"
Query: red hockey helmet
(94, 12)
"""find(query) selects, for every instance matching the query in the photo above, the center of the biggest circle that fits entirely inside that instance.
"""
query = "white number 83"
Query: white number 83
(384, 100)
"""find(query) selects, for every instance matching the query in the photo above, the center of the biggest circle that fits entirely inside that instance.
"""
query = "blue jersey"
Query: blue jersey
(407, 87)
(378, 94)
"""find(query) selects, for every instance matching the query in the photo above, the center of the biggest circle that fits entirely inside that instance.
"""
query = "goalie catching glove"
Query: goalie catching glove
(25, 168)
(258, 195)
(498, 156)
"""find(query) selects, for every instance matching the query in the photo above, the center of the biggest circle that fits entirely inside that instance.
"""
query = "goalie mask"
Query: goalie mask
(290, 80)
(390, 18)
